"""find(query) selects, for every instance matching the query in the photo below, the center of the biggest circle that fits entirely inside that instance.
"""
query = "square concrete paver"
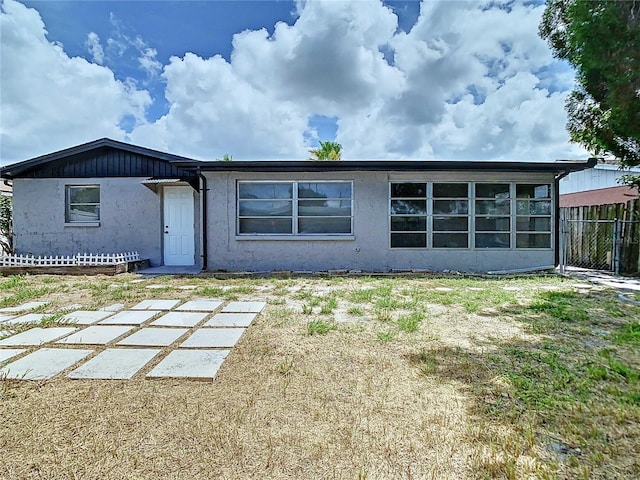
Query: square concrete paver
(43, 363)
(213, 338)
(156, 305)
(8, 353)
(244, 307)
(4, 318)
(201, 364)
(130, 317)
(116, 307)
(28, 318)
(231, 320)
(25, 307)
(115, 363)
(85, 317)
(97, 335)
(154, 337)
(180, 319)
(37, 336)
(203, 305)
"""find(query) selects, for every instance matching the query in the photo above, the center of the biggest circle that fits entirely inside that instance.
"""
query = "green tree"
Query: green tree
(328, 151)
(601, 40)
(6, 225)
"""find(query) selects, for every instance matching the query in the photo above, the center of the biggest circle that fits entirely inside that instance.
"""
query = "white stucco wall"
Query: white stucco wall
(130, 219)
(368, 249)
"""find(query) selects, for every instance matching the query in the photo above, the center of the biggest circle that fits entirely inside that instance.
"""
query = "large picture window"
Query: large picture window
(82, 203)
(478, 215)
(295, 208)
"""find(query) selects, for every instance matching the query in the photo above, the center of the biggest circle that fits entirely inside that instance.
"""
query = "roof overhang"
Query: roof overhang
(155, 184)
(194, 167)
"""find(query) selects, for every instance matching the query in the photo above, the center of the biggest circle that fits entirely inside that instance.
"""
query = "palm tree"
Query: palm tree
(328, 151)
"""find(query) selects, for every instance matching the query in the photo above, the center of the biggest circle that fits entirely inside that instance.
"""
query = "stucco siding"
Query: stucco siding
(368, 249)
(130, 218)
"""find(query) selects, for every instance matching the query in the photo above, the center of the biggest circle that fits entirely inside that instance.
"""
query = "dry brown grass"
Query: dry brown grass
(366, 400)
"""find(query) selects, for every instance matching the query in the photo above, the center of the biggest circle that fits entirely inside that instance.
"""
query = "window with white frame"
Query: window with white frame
(533, 216)
(492, 215)
(295, 208)
(450, 215)
(82, 203)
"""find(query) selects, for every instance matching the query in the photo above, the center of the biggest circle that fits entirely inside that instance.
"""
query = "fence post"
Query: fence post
(561, 240)
(617, 246)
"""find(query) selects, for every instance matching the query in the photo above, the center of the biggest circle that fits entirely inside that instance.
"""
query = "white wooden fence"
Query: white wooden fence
(60, 260)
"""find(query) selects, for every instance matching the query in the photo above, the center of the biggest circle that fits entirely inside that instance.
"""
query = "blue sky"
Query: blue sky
(269, 79)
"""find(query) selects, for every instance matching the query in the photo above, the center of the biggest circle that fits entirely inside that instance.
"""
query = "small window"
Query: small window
(82, 204)
(493, 215)
(533, 216)
(450, 215)
(408, 212)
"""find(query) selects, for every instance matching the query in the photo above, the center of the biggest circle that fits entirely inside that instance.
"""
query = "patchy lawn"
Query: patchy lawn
(354, 378)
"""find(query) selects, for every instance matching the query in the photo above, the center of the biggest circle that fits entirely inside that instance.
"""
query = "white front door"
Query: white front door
(179, 229)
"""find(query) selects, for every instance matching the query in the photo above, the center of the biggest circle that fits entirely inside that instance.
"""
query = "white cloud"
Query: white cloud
(470, 80)
(147, 61)
(462, 84)
(95, 48)
(213, 112)
(50, 100)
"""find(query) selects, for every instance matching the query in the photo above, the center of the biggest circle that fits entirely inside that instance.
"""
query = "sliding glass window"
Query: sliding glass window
(295, 208)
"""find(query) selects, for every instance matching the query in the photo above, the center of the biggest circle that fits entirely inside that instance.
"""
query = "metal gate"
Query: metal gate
(610, 245)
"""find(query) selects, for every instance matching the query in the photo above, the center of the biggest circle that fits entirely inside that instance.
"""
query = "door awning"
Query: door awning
(154, 183)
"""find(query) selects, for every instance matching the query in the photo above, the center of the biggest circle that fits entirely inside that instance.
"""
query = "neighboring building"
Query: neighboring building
(107, 196)
(597, 186)
(5, 190)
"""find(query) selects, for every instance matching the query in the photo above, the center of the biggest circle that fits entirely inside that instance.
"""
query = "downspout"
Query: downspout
(556, 199)
(203, 217)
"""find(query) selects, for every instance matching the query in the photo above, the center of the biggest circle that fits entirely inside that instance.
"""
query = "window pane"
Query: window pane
(493, 224)
(452, 207)
(408, 240)
(265, 190)
(450, 240)
(266, 225)
(324, 208)
(493, 240)
(533, 207)
(261, 208)
(450, 190)
(324, 225)
(411, 224)
(409, 190)
(533, 191)
(411, 207)
(492, 190)
(533, 240)
(83, 213)
(84, 194)
(460, 224)
(324, 190)
(533, 224)
(493, 207)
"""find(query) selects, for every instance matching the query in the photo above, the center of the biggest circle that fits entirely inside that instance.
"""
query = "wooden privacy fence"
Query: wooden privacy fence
(62, 261)
(602, 237)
